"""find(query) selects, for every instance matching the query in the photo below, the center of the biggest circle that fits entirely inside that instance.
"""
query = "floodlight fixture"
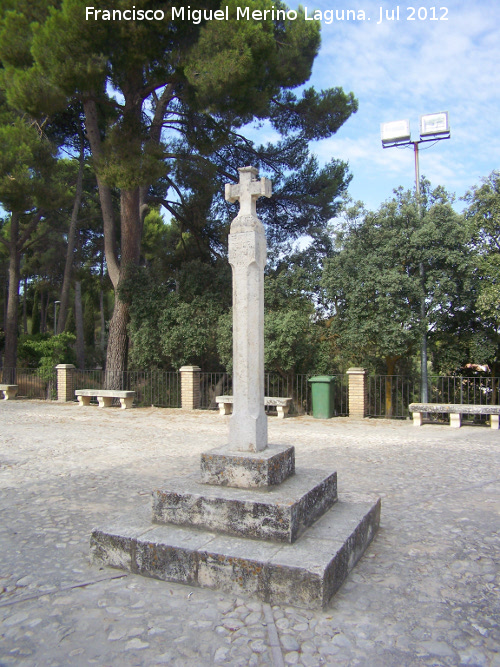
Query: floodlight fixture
(395, 132)
(434, 124)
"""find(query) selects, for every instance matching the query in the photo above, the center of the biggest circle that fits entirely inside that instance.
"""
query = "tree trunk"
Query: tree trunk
(132, 204)
(390, 365)
(64, 298)
(43, 313)
(80, 343)
(5, 298)
(131, 232)
(116, 357)
(94, 137)
(35, 314)
(102, 338)
(25, 308)
(10, 356)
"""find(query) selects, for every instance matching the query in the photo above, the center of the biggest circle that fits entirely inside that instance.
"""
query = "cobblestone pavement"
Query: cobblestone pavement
(426, 591)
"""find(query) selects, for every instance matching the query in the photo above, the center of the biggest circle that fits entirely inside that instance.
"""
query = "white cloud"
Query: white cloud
(402, 69)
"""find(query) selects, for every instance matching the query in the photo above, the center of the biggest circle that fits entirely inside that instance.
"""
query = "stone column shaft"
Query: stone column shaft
(248, 423)
(247, 256)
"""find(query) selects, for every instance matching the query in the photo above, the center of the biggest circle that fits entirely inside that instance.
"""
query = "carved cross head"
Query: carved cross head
(248, 190)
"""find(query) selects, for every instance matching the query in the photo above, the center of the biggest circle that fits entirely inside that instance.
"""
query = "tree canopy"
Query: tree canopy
(165, 105)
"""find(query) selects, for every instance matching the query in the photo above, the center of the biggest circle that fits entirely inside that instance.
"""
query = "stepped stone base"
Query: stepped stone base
(274, 513)
(269, 467)
(304, 574)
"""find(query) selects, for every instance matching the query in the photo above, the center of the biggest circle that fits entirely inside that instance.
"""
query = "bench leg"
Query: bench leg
(8, 393)
(417, 419)
(225, 408)
(126, 402)
(83, 400)
(282, 411)
(455, 420)
(494, 419)
(105, 401)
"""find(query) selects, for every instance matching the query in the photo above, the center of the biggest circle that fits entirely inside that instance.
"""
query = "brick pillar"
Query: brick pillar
(65, 382)
(358, 393)
(190, 387)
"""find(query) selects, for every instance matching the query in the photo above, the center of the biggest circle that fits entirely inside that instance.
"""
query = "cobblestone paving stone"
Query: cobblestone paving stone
(426, 592)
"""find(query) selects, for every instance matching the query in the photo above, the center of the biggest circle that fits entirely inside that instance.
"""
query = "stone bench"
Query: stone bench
(282, 404)
(105, 397)
(455, 410)
(8, 390)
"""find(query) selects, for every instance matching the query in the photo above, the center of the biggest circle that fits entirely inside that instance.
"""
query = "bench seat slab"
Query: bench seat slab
(455, 410)
(105, 397)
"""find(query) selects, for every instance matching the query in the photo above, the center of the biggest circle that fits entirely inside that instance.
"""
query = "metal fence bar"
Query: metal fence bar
(33, 383)
(152, 388)
(296, 387)
(388, 396)
(212, 385)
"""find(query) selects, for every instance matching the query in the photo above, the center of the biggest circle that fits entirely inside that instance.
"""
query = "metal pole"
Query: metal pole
(424, 394)
(55, 316)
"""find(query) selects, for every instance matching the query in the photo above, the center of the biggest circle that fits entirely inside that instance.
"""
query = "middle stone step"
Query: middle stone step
(278, 513)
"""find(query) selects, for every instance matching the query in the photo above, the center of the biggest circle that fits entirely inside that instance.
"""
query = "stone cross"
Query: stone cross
(247, 256)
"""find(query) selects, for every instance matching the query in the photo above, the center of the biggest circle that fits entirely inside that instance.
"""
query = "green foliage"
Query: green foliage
(164, 105)
(173, 324)
(483, 214)
(225, 340)
(483, 217)
(374, 280)
(45, 352)
(28, 168)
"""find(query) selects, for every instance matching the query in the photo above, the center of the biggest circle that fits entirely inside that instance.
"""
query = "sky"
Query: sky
(401, 69)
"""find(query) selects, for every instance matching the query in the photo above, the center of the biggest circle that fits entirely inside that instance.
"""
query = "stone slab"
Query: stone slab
(459, 408)
(273, 513)
(225, 467)
(304, 574)
(108, 393)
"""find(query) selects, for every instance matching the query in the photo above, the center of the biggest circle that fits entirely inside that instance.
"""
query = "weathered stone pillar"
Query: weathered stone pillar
(65, 382)
(190, 387)
(358, 393)
(247, 256)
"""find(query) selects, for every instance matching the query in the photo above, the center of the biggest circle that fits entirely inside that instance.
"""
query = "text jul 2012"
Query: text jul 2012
(328, 16)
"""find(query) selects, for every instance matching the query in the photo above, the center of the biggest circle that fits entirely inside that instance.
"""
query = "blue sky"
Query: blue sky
(402, 69)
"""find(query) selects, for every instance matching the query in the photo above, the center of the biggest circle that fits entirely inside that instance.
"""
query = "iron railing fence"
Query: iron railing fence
(36, 383)
(152, 388)
(212, 385)
(296, 387)
(460, 389)
(390, 395)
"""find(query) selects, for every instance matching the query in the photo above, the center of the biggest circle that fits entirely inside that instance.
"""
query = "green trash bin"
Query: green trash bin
(322, 396)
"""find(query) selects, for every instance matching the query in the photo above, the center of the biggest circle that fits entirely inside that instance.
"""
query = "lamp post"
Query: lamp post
(433, 127)
(55, 316)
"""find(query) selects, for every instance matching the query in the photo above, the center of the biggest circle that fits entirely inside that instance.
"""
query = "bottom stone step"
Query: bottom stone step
(304, 574)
